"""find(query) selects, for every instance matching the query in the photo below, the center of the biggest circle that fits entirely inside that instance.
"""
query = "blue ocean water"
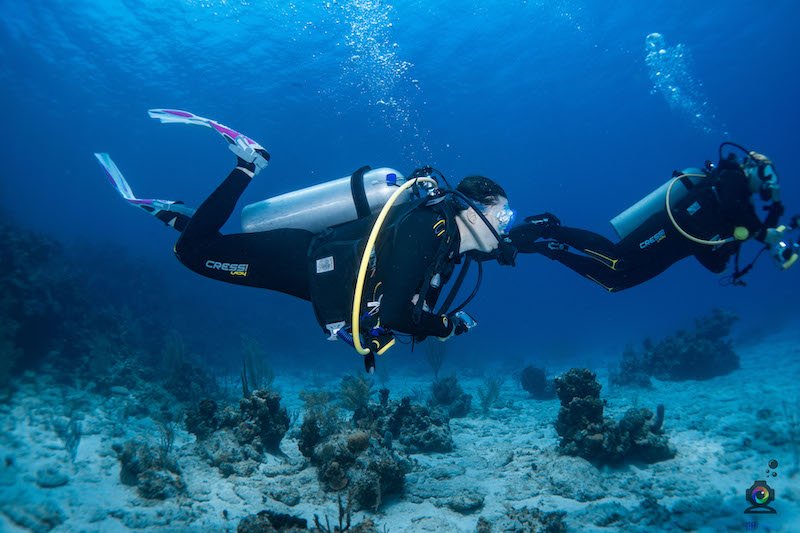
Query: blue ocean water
(576, 108)
(555, 100)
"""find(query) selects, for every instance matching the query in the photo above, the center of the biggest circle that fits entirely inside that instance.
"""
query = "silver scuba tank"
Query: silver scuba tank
(638, 213)
(321, 206)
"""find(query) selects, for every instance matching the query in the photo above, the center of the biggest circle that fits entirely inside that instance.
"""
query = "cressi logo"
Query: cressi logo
(235, 269)
(658, 237)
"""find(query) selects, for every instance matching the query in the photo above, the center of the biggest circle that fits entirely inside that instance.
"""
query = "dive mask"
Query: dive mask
(504, 215)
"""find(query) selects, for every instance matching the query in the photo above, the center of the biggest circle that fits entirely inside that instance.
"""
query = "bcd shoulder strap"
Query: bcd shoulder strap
(359, 193)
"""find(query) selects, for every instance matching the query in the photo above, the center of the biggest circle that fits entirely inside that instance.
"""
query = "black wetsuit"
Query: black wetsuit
(711, 210)
(285, 260)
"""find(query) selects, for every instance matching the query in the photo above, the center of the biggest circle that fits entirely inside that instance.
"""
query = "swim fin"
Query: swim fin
(172, 213)
(243, 146)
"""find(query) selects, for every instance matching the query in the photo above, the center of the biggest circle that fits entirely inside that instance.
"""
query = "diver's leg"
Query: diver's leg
(525, 236)
(594, 245)
(548, 226)
(653, 247)
(212, 214)
(640, 256)
(274, 260)
(588, 267)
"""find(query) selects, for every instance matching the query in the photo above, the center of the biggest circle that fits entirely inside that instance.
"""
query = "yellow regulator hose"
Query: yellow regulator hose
(362, 268)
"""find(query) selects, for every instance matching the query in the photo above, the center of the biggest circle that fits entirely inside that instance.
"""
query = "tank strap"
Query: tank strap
(358, 192)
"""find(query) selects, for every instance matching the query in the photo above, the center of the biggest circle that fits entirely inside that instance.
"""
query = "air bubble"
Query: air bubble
(670, 75)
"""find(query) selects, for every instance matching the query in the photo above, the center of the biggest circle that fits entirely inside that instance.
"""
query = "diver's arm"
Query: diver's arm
(716, 260)
(736, 204)
(399, 318)
(505, 254)
(774, 213)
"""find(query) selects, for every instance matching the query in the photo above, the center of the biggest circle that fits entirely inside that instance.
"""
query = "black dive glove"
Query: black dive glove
(506, 253)
(459, 326)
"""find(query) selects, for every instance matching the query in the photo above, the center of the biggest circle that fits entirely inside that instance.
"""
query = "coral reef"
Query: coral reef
(351, 455)
(154, 476)
(417, 428)
(352, 460)
(37, 287)
(702, 354)
(631, 371)
(235, 441)
(360, 455)
(534, 382)
(586, 433)
(355, 393)
(448, 395)
(263, 421)
(64, 307)
(321, 420)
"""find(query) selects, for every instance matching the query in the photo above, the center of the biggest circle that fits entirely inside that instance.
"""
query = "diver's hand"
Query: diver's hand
(506, 253)
(774, 235)
(458, 326)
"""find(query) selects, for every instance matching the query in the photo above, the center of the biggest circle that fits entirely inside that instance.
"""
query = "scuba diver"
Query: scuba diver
(706, 213)
(371, 252)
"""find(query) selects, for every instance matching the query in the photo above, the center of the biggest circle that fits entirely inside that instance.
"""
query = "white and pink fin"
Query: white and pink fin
(239, 143)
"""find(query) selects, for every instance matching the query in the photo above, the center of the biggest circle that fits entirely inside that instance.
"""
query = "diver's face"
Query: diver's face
(500, 215)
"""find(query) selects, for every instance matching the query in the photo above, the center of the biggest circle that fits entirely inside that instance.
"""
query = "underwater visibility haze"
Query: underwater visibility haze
(137, 395)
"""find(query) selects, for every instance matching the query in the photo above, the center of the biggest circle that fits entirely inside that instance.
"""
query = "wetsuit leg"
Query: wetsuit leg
(275, 260)
(597, 271)
(614, 266)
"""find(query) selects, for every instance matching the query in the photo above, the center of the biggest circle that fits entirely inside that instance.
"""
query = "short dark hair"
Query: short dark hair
(481, 189)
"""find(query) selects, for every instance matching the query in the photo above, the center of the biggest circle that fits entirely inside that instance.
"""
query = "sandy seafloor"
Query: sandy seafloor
(509, 458)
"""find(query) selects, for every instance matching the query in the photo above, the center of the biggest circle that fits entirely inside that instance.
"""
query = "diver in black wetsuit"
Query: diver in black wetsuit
(402, 288)
(425, 239)
(711, 213)
(414, 255)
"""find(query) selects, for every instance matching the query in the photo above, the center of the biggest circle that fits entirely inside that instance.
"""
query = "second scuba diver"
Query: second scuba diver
(369, 275)
(706, 213)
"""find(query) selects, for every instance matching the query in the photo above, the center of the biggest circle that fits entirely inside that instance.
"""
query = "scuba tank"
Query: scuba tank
(328, 204)
(653, 203)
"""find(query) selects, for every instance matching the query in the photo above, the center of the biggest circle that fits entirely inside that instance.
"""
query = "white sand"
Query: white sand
(509, 458)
